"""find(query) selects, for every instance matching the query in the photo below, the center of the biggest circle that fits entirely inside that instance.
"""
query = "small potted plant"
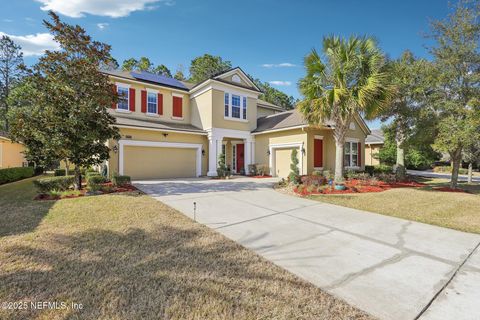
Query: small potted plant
(340, 185)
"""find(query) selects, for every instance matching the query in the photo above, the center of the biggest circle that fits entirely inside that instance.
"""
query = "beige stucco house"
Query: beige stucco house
(11, 153)
(175, 129)
(373, 143)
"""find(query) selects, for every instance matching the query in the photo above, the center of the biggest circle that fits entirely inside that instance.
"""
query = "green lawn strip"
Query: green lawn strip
(446, 209)
(128, 256)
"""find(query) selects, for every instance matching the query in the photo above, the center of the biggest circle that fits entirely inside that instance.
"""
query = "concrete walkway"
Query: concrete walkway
(389, 267)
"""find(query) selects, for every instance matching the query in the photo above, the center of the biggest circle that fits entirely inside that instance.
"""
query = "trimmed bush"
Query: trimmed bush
(15, 174)
(94, 182)
(383, 168)
(59, 172)
(120, 180)
(54, 184)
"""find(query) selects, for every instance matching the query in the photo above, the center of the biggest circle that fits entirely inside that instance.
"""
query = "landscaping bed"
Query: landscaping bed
(106, 188)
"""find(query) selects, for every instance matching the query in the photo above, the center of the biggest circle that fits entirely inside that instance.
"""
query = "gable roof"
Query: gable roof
(375, 137)
(268, 105)
(217, 77)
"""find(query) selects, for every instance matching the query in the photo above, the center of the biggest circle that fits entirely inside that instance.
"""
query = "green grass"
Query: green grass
(128, 256)
(459, 211)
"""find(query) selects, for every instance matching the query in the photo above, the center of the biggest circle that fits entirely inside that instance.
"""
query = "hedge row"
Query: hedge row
(15, 174)
(54, 183)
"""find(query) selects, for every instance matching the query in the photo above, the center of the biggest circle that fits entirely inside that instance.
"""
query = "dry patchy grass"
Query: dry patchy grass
(127, 256)
(459, 211)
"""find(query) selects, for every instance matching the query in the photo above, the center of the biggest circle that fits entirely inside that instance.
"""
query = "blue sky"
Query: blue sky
(267, 38)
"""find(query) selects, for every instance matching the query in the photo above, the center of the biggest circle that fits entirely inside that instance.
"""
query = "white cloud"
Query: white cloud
(280, 83)
(107, 8)
(7, 20)
(34, 44)
(102, 25)
(279, 65)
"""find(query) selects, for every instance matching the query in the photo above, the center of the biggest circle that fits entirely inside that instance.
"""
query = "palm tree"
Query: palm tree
(348, 79)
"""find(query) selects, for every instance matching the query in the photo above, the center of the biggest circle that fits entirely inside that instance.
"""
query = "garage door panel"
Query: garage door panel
(282, 162)
(159, 162)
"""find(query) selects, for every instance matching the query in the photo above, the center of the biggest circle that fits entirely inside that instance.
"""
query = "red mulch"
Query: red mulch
(359, 186)
(124, 188)
(447, 189)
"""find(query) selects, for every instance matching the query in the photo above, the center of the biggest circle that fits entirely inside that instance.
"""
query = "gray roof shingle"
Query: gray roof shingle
(376, 137)
(136, 122)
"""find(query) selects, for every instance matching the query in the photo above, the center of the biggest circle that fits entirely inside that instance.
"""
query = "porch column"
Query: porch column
(249, 153)
(214, 150)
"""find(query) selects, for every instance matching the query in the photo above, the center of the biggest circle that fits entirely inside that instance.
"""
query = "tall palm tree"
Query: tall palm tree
(349, 78)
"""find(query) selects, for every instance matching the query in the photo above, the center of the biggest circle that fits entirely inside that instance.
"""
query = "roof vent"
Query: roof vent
(236, 78)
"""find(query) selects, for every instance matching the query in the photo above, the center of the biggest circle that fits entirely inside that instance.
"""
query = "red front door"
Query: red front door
(240, 158)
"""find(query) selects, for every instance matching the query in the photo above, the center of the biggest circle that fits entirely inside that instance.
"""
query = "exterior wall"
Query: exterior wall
(11, 154)
(370, 151)
(201, 113)
(218, 114)
(263, 112)
(328, 149)
(262, 142)
(167, 102)
(157, 136)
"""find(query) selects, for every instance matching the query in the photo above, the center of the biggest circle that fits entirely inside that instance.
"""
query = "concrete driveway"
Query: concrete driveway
(389, 267)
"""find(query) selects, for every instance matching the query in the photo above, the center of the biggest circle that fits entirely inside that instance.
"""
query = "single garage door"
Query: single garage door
(283, 159)
(159, 162)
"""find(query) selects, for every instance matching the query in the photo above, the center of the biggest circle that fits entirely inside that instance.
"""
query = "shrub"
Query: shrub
(294, 175)
(252, 169)
(95, 176)
(15, 174)
(370, 170)
(91, 173)
(312, 180)
(120, 180)
(311, 189)
(317, 173)
(54, 184)
(59, 172)
(383, 168)
(263, 170)
(94, 182)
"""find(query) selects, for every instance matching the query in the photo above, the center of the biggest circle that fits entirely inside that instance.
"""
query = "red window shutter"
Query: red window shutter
(160, 103)
(359, 161)
(131, 96)
(318, 153)
(114, 104)
(177, 107)
(144, 101)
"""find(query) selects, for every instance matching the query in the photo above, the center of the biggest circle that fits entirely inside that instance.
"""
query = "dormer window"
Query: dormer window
(122, 98)
(235, 106)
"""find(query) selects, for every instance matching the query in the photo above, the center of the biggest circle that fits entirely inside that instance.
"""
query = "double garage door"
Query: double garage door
(159, 162)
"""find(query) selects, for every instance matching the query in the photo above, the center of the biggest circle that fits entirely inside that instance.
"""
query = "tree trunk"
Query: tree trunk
(456, 158)
(78, 179)
(400, 163)
(339, 146)
(470, 172)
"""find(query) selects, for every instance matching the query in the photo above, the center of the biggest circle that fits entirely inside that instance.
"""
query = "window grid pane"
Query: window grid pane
(152, 103)
(226, 104)
(235, 106)
(122, 98)
(244, 108)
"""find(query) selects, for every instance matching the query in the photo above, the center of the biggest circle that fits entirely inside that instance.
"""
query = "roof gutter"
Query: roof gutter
(280, 129)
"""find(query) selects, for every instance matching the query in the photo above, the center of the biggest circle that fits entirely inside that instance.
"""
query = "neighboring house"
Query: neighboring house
(373, 144)
(174, 129)
(11, 153)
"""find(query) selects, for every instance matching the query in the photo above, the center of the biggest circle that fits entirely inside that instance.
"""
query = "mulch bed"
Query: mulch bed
(359, 186)
(110, 188)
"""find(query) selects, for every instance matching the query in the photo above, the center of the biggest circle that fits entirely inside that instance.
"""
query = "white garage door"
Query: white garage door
(282, 162)
(159, 162)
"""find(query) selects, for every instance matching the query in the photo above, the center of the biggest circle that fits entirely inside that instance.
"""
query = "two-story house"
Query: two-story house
(171, 128)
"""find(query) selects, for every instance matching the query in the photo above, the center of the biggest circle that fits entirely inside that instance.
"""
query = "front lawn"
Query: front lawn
(128, 256)
(459, 211)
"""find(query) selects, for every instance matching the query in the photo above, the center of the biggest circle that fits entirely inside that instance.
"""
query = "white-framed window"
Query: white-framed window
(227, 105)
(350, 154)
(152, 102)
(235, 106)
(122, 98)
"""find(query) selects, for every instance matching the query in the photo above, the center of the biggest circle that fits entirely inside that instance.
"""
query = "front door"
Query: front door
(240, 158)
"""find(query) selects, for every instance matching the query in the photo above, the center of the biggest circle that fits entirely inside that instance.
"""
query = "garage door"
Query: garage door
(159, 162)
(282, 162)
